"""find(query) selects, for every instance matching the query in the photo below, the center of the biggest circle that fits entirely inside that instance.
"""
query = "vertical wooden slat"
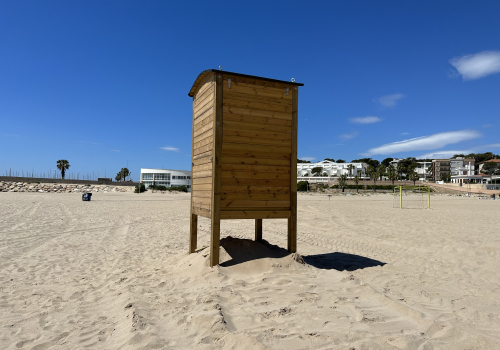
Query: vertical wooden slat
(292, 222)
(258, 230)
(193, 227)
(216, 172)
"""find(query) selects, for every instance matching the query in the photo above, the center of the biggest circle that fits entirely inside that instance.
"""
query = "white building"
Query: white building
(166, 177)
(424, 170)
(461, 166)
(332, 169)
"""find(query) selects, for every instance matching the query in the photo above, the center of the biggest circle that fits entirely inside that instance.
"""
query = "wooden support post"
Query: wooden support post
(258, 230)
(292, 221)
(193, 233)
(216, 172)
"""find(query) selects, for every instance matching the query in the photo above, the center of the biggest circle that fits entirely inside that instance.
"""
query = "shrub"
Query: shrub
(142, 188)
(302, 186)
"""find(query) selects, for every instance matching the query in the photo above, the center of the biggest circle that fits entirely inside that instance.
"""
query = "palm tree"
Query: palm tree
(392, 175)
(350, 167)
(374, 174)
(63, 165)
(400, 169)
(356, 181)
(122, 174)
(381, 171)
(414, 177)
(342, 181)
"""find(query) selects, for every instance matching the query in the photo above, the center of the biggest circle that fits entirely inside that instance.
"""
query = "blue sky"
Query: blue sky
(104, 83)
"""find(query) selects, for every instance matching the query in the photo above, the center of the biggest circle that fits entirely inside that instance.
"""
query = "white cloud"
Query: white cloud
(478, 65)
(425, 142)
(365, 120)
(405, 133)
(349, 136)
(486, 126)
(309, 159)
(390, 100)
(169, 148)
(451, 153)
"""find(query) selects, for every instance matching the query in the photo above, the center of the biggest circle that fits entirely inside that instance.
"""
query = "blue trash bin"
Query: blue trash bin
(86, 196)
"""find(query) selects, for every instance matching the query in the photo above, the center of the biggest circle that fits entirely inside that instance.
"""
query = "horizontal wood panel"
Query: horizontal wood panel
(258, 141)
(206, 84)
(207, 103)
(206, 141)
(201, 187)
(256, 83)
(201, 194)
(202, 200)
(261, 106)
(204, 113)
(202, 161)
(256, 112)
(256, 196)
(201, 181)
(234, 203)
(256, 155)
(209, 119)
(236, 95)
(206, 134)
(198, 174)
(255, 182)
(252, 175)
(228, 124)
(255, 148)
(203, 167)
(199, 156)
(254, 214)
(202, 149)
(202, 98)
(255, 189)
(254, 161)
(256, 168)
(201, 212)
(201, 130)
(260, 91)
(257, 120)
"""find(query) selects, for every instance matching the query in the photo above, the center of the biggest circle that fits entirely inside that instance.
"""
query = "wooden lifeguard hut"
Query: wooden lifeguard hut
(244, 159)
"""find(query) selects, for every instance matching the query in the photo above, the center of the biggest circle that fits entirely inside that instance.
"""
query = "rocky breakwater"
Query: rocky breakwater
(60, 188)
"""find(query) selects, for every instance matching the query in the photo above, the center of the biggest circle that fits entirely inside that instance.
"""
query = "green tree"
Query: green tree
(330, 159)
(490, 168)
(374, 174)
(356, 181)
(303, 161)
(350, 167)
(342, 182)
(317, 171)
(340, 161)
(122, 174)
(63, 165)
(414, 177)
(302, 186)
(400, 169)
(387, 161)
(392, 175)
(373, 162)
(381, 171)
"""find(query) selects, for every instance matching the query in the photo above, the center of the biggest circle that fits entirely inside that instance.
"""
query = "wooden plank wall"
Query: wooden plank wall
(256, 145)
(203, 133)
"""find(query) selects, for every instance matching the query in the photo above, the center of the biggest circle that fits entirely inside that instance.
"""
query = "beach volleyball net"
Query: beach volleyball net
(412, 197)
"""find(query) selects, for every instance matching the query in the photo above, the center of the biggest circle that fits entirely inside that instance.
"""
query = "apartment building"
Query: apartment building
(165, 177)
(461, 166)
(332, 169)
(440, 168)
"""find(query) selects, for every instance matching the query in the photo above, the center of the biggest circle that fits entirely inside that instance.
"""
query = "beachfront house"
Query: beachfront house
(165, 177)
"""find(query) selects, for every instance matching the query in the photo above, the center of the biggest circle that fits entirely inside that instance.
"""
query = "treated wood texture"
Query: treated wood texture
(193, 236)
(201, 174)
(258, 230)
(255, 214)
(216, 170)
(292, 221)
(257, 146)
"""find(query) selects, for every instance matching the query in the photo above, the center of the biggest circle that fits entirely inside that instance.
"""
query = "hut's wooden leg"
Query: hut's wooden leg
(193, 233)
(292, 234)
(258, 230)
(215, 242)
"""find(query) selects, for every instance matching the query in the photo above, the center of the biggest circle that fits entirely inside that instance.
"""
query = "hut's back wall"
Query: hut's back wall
(203, 136)
(256, 145)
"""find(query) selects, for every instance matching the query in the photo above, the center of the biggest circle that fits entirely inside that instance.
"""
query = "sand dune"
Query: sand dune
(113, 273)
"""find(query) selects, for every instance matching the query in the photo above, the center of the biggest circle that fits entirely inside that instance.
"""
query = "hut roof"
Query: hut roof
(202, 74)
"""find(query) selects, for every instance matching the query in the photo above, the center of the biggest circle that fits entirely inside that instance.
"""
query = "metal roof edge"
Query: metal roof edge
(200, 76)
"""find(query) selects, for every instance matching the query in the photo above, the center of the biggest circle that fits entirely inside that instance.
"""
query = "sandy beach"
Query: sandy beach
(114, 273)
